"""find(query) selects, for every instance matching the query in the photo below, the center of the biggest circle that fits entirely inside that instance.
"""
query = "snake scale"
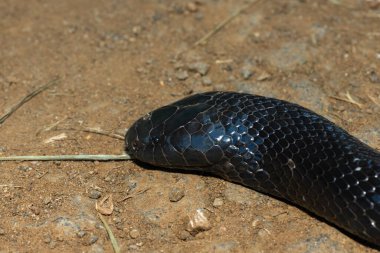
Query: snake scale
(272, 146)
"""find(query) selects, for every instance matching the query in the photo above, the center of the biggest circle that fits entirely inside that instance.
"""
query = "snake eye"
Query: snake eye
(155, 139)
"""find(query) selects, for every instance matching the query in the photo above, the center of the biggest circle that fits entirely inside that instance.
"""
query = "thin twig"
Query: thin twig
(42, 175)
(102, 132)
(132, 195)
(374, 100)
(348, 95)
(348, 100)
(217, 28)
(94, 131)
(27, 98)
(115, 245)
(10, 186)
(68, 158)
(48, 128)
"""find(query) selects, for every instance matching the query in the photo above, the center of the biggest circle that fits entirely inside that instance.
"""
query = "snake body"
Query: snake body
(272, 146)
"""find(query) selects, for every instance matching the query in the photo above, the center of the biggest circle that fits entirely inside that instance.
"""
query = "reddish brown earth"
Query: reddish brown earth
(117, 60)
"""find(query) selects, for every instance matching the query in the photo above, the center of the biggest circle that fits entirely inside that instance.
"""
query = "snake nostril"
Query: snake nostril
(135, 145)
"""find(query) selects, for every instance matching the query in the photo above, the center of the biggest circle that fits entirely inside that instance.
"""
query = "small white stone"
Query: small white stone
(134, 233)
(218, 202)
(198, 222)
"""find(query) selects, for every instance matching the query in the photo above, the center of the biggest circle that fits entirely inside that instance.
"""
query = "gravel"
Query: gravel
(199, 67)
(24, 168)
(181, 75)
(134, 233)
(374, 77)
(94, 194)
(218, 202)
(246, 73)
(206, 81)
(176, 194)
(81, 234)
(93, 239)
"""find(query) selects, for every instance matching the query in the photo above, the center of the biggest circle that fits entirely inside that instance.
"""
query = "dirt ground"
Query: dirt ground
(117, 60)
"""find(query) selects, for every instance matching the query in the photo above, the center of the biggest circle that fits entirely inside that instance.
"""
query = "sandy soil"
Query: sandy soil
(117, 60)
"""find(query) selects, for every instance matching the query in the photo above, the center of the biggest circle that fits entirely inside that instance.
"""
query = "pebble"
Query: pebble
(94, 194)
(181, 75)
(134, 233)
(133, 247)
(198, 222)
(217, 202)
(200, 67)
(24, 168)
(206, 81)
(93, 239)
(2, 149)
(263, 76)
(192, 7)
(35, 209)
(184, 235)
(246, 73)
(373, 77)
(47, 238)
(153, 215)
(108, 179)
(2, 231)
(81, 233)
(136, 30)
(176, 194)
(47, 201)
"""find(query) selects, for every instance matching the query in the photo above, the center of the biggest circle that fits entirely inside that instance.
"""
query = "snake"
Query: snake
(269, 145)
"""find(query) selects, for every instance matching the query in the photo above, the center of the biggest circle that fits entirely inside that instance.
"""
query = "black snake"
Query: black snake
(269, 145)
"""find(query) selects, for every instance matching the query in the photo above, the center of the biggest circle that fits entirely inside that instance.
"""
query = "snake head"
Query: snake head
(176, 135)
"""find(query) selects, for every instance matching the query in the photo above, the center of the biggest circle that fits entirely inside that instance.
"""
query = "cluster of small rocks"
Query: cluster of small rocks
(199, 73)
(182, 72)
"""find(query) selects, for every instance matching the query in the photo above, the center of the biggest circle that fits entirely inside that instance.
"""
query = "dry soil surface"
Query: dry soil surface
(117, 60)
